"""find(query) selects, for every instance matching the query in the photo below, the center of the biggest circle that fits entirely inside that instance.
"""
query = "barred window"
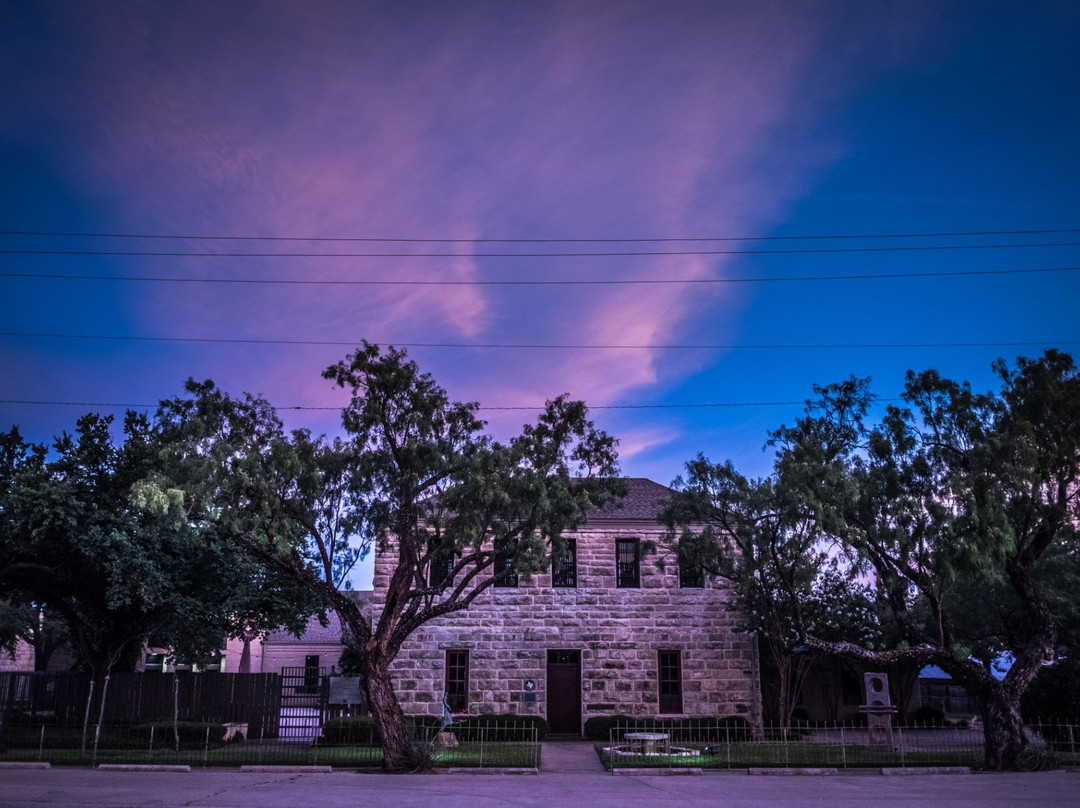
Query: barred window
(504, 560)
(691, 575)
(441, 566)
(564, 565)
(627, 563)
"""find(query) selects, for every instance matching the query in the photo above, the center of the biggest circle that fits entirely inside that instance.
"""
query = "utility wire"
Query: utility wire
(617, 282)
(371, 240)
(535, 407)
(604, 254)
(538, 346)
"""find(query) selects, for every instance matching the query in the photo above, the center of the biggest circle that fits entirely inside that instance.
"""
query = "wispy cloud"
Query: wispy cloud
(464, 121)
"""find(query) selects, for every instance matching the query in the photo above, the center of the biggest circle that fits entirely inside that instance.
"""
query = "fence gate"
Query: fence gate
(303, 702)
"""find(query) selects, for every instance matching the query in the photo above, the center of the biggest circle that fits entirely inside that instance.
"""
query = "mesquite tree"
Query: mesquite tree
(951, 506)
(417, 478)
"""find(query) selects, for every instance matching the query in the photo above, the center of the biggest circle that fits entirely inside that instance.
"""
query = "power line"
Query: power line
(538, 346)
(599, 254)
(616, 282)
(522, 407)
(408, 240)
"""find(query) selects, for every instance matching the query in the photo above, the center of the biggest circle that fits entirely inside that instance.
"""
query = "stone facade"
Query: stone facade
(21, 659)
(617, 635)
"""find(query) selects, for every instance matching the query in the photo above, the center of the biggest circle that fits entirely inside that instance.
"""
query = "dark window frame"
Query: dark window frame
(691, 576)
(441, 566)
(564, 568)
(669, 682)
(456, 681)
(627, 563)
(504, 560)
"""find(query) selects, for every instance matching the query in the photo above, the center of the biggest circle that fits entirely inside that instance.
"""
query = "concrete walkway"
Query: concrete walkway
(569, 756)
(73, 787)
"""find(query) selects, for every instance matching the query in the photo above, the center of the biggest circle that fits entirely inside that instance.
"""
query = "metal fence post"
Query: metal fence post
(41, 744)
(206, 748)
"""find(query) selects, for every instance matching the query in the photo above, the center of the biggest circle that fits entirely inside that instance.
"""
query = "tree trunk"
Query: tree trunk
(388, 715)
(1003, 730)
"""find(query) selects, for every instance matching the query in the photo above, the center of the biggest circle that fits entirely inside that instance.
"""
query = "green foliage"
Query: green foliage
(495, 728)
(959, 509)
(351, 730)
(193, 734)
(698, 729)
(926, 716)
(93, 539)
(415, 475)
(498, 728)
(598, 727)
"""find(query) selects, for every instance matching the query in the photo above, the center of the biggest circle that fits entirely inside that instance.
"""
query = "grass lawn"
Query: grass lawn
(504, 755)
(791, 755)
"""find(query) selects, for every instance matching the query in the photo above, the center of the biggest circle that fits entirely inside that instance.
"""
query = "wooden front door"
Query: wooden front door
(564, 692)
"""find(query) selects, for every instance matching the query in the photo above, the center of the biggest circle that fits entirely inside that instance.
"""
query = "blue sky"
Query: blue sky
(473, 122)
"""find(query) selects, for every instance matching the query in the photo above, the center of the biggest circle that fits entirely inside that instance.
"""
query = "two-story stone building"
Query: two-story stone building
(613, 628)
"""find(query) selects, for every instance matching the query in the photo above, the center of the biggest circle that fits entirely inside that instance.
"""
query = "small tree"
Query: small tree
(953, 507)
(117, 561)
(417, 478)
(759, 535)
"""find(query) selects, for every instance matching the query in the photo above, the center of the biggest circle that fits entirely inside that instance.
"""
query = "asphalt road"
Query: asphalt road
(232, 789)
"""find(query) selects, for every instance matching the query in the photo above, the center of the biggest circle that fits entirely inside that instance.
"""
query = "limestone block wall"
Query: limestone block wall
(618, 632)
(20, 659)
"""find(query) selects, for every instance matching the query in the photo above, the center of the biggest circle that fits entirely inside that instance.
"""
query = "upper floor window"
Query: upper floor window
(691, 575)
(670, 664)
(627, 563)
(441, 566)
(504, 561)
(564, 565)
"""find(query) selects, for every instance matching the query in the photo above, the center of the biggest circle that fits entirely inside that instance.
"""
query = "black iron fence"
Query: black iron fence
(705, 745)
(207, 744)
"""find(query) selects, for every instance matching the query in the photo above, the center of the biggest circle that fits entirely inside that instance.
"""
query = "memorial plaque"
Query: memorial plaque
(345, 690)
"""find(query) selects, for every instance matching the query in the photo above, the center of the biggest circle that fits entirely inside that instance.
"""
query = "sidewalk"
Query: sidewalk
(569, 756)
(223, 788)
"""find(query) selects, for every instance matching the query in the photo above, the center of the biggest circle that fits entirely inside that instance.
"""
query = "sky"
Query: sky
(680, 212)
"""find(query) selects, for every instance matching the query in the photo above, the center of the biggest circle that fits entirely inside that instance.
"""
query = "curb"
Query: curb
(142, 767)
(287, 769)
(792, 772)
(897, 772)
(657, 772)
(28, 764)
(490, 770)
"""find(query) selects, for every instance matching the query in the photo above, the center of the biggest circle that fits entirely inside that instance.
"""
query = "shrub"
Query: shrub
(694, 729)
(499, 728)
(927, 716)
(428, 723)
(598, 728)
(193, 734)
(735, 727)
(351, 731)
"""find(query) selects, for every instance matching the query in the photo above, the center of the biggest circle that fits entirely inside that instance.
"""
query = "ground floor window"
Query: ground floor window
(670, 682)
(457, 681)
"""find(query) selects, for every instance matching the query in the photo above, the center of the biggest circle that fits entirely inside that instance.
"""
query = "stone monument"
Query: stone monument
(879, 711)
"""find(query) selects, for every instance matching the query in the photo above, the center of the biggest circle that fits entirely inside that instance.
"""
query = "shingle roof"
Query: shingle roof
(644, 501)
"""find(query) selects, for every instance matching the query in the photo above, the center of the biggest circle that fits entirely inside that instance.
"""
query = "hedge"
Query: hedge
(362, 730)
(703, 729)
